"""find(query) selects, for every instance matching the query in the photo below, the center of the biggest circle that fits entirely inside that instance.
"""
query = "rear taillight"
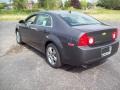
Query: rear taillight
(114, 34)
(85, 40)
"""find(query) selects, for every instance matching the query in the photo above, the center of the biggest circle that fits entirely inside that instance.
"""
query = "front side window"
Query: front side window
(31, 19)
(76, 19)
(44, 20)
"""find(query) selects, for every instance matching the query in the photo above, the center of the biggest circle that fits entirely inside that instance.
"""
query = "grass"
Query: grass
(8, 15)
(107, 17)
(12, 17)
(99, 13)
(104, 14)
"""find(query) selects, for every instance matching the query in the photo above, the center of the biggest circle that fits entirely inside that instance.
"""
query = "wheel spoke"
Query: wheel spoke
(54, 52)
(55, 58)
(50, 50)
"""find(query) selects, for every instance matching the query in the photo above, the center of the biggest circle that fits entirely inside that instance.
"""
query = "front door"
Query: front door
(41, 28)
(26, 31)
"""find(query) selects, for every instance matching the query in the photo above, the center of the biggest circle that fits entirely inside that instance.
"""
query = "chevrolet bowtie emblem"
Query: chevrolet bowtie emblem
(104, 33)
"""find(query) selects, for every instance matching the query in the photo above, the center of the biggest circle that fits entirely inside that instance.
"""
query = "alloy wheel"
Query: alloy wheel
(51, 55)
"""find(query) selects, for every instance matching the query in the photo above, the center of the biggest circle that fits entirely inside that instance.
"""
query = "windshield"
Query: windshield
(76, 19)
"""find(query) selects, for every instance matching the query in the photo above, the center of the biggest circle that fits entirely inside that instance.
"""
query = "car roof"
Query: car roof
(56, 12)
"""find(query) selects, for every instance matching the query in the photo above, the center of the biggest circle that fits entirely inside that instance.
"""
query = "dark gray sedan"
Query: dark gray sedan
(68, 37)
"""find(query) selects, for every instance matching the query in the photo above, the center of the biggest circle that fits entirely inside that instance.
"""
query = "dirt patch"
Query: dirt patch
(14, 49)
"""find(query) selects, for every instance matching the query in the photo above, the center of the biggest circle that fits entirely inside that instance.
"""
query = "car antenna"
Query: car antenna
(70, 11)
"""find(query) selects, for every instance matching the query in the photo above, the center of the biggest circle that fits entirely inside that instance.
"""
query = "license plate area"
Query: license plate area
(105, 51)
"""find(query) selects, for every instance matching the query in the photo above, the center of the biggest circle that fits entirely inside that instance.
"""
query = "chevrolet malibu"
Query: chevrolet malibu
(68, 37)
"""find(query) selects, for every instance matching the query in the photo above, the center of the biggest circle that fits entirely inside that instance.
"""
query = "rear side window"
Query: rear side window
(77, 19)
(44, 20)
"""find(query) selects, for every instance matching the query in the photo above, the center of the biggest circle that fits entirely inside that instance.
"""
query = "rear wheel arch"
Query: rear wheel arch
(51, 42)
(47, 43)
(55, 63)
(54, 40)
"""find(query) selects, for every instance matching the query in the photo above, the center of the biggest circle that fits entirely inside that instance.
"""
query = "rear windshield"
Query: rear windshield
(77, 19)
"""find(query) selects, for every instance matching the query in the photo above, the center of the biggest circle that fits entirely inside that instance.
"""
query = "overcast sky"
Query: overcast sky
(35, 0)
(4, 0)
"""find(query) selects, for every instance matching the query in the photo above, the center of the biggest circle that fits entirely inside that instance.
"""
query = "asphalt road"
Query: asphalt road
(24, 68)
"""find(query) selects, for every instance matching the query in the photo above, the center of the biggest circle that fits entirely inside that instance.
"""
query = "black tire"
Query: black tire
(18, 38)
(57, 62)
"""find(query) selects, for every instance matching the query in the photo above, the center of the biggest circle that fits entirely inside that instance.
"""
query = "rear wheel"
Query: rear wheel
(53, 56)
(18, 38)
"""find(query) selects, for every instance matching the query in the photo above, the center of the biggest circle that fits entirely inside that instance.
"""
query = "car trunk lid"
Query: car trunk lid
(102, 34)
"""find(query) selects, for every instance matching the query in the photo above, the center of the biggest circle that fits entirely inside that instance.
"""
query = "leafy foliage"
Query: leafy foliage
(75, 3)
(40, 3)
(67, 4)
(19, 4)
(49, 4)
(84, 4)
(2, 5)
(109, 4)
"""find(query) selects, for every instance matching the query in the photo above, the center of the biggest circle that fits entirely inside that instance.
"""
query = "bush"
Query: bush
(109, 4)
(2, 5)
(19, 4)
(67, 4)
(84, 4)
(23, 11)
(75, 4)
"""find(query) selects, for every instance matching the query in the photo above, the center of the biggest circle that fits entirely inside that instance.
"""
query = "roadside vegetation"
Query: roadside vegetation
(102, 10)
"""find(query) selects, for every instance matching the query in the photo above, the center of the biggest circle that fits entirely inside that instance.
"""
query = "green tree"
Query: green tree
(60, 4)
(19, 4)
(41, 3)
(110, 4)
(75, 3)
(84, 4)
(51, 4)
(2, 5)
(67, 4)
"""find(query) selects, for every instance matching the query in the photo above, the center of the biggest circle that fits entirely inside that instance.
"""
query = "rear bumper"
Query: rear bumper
(85, 55)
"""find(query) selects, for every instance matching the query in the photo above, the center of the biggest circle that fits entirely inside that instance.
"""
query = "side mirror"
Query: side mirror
(21, 21)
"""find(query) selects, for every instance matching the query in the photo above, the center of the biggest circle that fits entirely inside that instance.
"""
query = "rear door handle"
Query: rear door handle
(33, 28)
(46, 31)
